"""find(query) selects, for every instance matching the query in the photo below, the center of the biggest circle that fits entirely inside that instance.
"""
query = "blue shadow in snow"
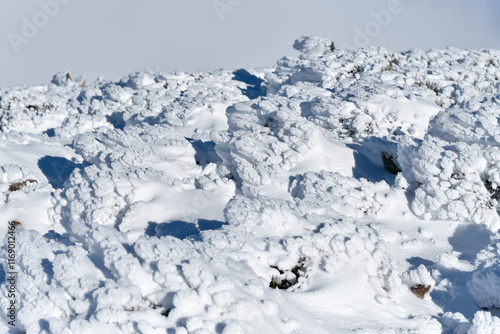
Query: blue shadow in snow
(44, 325)
(50, 132)
(205, 152)
(206, 225)
(181, 229)
(417, 261)
(305, 110)
(116, 119)
(2, 274)
(62, 239)
(365, 167)
(469, 240)
(254, 88)
(176, 228)
(56, 169)
(48, 268)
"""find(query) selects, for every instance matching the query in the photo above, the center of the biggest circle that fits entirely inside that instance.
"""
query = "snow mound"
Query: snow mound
(349, 196)
(312, 45)
(454, 167)
(484, 282)
(484, 323)
(485, 288)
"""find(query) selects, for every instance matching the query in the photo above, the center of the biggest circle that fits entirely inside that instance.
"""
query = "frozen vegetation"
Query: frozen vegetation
(336, 192)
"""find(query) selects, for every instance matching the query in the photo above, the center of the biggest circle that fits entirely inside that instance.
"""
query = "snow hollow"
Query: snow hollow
(336, 192)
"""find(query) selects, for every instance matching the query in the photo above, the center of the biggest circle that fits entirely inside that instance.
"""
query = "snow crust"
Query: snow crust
(172, 202)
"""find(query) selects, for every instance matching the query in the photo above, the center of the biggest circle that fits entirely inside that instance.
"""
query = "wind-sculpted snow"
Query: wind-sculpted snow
(484, 284)
(266, 138)
(455, 165)
(351, 197)
(258, 201)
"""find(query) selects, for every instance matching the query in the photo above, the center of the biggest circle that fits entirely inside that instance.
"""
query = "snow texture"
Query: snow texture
(177, 202)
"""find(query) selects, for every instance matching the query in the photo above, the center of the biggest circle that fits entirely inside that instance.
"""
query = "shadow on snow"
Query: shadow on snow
(182, 229)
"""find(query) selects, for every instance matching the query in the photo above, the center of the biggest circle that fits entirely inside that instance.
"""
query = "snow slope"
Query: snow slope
(178, 203)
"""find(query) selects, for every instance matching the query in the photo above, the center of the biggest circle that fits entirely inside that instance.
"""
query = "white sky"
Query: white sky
(111, 38)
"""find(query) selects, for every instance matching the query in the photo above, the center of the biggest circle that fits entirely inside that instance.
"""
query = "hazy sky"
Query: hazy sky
(111, 38)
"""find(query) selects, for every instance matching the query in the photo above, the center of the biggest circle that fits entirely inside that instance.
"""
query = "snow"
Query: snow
(173, 202)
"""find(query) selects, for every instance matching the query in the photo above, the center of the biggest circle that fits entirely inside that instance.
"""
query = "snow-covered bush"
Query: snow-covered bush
(484, 323)
(348, 196)
(484, 284)
(454, 168)
(312, 45)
